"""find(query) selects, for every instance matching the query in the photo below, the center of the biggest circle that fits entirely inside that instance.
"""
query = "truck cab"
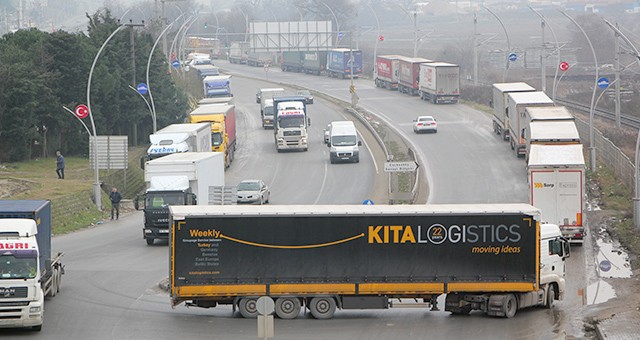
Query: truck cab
(163, 191)
(21, 294)
(291, 123)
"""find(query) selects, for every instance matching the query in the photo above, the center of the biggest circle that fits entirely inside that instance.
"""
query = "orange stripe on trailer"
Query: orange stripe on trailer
(220, 290)
(401, 288)
(456, 287)
(313, 288)
(579, 218)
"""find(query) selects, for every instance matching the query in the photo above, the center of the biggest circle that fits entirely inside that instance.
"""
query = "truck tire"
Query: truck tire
(149, 241)
(248, 308)
(551, 295)
(510, 306)
(54, 282)
(322, 307)
(288, 307)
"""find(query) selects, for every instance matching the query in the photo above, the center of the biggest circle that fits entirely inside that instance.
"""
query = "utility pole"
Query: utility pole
(543, 77)
(475, 50)
(132, 41)
(617, 76)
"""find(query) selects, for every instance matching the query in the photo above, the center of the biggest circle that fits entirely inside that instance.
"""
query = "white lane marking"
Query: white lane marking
(324, 179)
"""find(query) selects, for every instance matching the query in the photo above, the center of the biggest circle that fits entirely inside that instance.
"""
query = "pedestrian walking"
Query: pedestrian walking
(115, 198)
(59, 165)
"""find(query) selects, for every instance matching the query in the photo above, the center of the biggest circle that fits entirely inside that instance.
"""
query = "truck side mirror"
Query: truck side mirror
(359, 143)
(567, 249)
(136, 205)
(143, 159)
(194, 198)
(308, 121)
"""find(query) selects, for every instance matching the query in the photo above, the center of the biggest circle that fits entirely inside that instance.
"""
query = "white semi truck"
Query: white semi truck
(28, 272)
(177, 179)
(557, 187)
(439, 82)
(500, 104)
(516, 115)
(177, 138)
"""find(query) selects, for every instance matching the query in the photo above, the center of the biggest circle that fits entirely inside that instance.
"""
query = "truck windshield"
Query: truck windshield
(268, 111)
(343, 140)
(291, 121)
(216, 139)
(18, 264)
(163, 200)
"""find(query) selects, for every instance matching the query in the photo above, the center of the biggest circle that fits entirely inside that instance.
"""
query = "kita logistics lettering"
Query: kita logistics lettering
(437, 234)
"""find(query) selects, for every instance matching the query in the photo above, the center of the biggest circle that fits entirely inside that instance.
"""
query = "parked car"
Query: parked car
(327, 131)
(308, 97)
(253, 191)
(425, 124)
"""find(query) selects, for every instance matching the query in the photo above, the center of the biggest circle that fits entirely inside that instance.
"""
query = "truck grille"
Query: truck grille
(292, 133)
(13, 292)
(344, 154)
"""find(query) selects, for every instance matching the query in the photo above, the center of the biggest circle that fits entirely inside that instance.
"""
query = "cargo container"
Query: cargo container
(557, 187)
(259, 58)
(386, 75)
(222, 118)
(339, 63)
(500, 105)
(238, 52)
(518, 122)
(314, 62)
(549, 132)
(493, 258)
(409, 74)
(439, 82)
(292, 61)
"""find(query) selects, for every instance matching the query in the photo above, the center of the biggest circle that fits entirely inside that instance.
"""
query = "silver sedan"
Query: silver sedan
(253, 191)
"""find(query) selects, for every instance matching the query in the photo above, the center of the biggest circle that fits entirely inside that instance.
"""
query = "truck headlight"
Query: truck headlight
(36, 309)
(147, 231)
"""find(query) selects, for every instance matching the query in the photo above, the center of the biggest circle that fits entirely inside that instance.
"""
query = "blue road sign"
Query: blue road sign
(603, 83)
(175, 63)
(367, 202)
(513, 57)
(142, 88)
(605, 265)
(340, 35)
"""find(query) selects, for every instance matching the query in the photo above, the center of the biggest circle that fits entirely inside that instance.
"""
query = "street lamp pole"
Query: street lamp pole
(413, 18)
(334, 18)
(153, 107)
(80, 119)
(153, 115)
(555, 76)
(375, 47)
(96, 185)
(506, 68)
(636, 198)
(592, 145)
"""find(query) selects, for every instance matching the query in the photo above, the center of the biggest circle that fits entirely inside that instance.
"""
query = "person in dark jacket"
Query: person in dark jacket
(115, 198)
(59, 165)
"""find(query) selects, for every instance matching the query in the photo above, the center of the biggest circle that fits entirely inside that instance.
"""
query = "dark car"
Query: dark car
(308, 97)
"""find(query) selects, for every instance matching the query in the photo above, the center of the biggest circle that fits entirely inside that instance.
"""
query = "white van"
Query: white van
(344, 142)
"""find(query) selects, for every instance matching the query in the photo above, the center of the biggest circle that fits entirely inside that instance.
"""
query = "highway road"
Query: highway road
(110, 289)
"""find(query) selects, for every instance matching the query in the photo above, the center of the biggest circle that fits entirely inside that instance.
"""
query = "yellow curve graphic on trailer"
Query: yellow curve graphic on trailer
(308, 246)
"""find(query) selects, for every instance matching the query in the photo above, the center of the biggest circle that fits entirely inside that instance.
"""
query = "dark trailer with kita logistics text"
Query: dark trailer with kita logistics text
(353, 256)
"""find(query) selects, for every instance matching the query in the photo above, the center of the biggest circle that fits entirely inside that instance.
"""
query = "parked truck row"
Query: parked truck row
(547, 137)
(493, 258)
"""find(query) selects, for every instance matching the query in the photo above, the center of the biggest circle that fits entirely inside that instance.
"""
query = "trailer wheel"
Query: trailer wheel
(510, 306)
(322, 307)
(288, 307)
(59, 281)
(54, 279)
(551, 295)
(248, 308)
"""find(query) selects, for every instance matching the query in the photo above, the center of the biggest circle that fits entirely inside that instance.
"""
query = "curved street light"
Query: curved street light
(506, 68)
(592, 146)
(153, 115)
(153, 107)
(334, 18)
(96, 185)
(375, 47)
(80, 119)
(555, 76)
(414, 19)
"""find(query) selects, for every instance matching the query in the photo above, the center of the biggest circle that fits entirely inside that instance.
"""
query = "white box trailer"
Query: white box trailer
(516, 116)
(547, 113)
(557, 187)
(201, 169)
(549, 132)
(177, 138)
(500, 104)
(439, 82)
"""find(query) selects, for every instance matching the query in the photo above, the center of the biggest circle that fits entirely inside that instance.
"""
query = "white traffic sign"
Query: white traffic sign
(400, 166)
(265, 305)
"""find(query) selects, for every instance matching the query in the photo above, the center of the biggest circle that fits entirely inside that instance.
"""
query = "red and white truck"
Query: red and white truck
(500, 104)
(439, 82)
(387, 71)
(557, 187)
(409, 74)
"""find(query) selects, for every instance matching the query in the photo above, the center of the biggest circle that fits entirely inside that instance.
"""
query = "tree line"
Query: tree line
(41, 72)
